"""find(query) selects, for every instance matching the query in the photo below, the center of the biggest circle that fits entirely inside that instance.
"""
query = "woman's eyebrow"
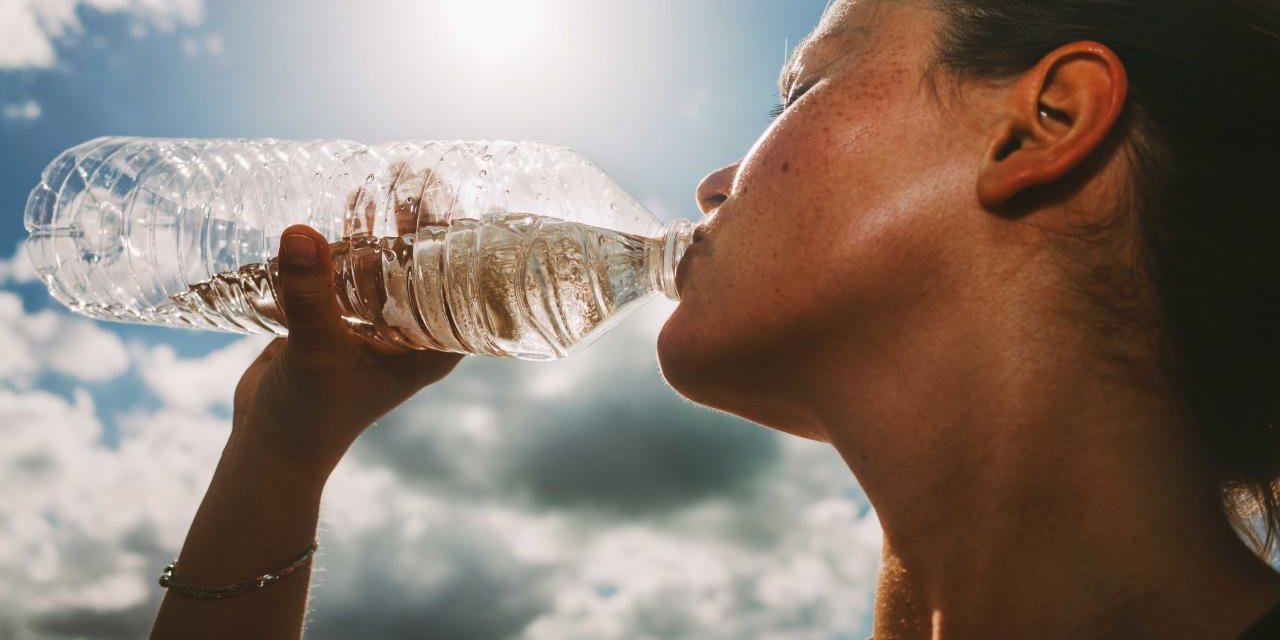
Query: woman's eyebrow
(789, 68)
(831, 47)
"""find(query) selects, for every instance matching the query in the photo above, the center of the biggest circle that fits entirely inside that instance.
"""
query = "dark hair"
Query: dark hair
(1203, 118)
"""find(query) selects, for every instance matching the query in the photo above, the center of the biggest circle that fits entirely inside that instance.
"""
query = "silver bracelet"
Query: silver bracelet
(167, 581)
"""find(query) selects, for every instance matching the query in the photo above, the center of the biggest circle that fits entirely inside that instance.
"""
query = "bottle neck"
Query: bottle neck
(664, 254)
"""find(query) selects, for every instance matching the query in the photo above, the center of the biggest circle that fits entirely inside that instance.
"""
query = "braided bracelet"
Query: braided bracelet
(167, 581)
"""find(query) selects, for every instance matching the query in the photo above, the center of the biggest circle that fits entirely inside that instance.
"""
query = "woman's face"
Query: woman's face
(836, 235)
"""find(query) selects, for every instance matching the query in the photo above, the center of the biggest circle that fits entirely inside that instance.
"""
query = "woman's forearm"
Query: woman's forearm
(297, 409)
(257, 516)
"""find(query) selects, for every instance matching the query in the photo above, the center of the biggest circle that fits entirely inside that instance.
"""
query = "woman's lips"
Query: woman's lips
(697, 244)
(682, 269)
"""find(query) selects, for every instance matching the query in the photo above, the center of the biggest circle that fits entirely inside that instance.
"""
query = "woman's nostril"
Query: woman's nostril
(714, 189)
(708, 202)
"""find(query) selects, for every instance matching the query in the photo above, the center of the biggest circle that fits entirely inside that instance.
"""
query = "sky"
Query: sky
(581, 498)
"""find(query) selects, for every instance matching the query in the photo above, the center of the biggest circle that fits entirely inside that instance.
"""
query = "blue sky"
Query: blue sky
(581, 498)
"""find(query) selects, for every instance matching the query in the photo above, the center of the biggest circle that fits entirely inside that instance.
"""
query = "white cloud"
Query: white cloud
(199, 383)
(57, 342)
(695, 577)
(29, 28)
(18, 360)
(87, 527)
(17, 269)
(26, 41)
(433, 562)
(29, 110)
(85, 351)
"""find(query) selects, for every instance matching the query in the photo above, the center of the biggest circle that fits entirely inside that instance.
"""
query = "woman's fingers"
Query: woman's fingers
(307, 295)
(421, 368)
(317, 331)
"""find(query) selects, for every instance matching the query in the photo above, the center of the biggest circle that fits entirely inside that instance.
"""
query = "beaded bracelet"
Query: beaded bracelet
(167, 581)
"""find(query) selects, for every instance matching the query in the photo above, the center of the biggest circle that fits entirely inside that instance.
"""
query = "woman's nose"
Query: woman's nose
(714, 189)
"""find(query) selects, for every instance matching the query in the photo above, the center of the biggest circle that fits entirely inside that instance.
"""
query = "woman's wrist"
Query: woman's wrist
(258, 517)
(268, 456)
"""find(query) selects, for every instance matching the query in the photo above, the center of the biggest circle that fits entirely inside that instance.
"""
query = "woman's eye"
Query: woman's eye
(787, 102)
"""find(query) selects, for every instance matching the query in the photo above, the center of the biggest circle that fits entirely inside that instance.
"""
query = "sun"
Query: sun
(494, 26)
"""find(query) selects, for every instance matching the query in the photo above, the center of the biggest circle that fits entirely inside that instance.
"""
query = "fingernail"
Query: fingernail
(299, 250)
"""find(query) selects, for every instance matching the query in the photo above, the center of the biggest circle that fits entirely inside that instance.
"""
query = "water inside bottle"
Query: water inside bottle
(513, 284)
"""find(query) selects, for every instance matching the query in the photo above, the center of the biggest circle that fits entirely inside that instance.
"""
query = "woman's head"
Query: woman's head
(948, 169)
(856, 230)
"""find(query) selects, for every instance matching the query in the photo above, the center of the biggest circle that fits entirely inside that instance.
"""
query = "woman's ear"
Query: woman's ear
(1055, 116)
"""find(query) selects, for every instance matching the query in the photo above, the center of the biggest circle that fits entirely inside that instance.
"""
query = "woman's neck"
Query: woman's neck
(1024, 494)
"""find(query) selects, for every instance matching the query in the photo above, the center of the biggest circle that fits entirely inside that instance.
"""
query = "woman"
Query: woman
(1032, 313)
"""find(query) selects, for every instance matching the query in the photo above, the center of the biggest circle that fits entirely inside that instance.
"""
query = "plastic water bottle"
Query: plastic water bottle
(524, 250)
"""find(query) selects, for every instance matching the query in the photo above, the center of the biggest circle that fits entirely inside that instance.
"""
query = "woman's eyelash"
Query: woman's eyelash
(783, 103)
(787, 101)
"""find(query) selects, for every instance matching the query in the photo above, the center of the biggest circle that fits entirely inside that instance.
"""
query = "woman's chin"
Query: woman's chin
(705, 362)
(683, 358)
(702, 362)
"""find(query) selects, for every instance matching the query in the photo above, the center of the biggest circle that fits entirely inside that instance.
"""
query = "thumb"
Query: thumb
(306, 289)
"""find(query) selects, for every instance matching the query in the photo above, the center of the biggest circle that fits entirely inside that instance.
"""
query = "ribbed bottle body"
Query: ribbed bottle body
(512, 249)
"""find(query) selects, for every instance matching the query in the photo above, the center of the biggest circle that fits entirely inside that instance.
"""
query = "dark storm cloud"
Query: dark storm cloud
(128, 623)
(618, 440)
(460, 583)
(636, 451)
(94, 558)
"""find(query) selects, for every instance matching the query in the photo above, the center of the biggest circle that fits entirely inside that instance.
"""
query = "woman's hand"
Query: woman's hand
(306, 398)
(298, 408)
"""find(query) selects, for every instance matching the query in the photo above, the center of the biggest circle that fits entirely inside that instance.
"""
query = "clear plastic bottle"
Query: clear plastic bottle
(524, 250)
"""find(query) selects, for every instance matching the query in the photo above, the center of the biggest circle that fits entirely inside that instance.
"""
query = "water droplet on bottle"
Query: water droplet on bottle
(613, 205)
(484, 174)
(487, 157)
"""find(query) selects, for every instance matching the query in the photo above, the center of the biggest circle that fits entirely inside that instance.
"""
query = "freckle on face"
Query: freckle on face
(786, 166)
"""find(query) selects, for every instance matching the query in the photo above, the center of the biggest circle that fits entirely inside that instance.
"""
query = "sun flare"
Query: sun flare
(494, 26)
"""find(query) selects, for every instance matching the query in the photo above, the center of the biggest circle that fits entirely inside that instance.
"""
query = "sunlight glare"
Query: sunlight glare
(494, 26)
